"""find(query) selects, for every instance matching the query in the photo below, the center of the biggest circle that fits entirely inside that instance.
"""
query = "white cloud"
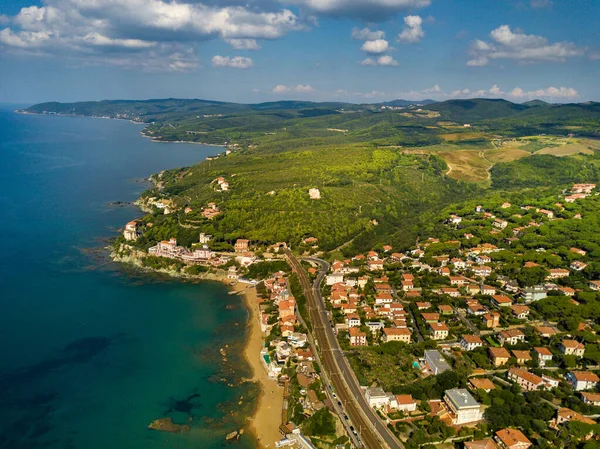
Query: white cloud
(434, 89)
(384, 60)
(363, 9)
(300, 88)
(412, 32)
(495, 90)
(516, 94)
(479, 61)
(237, 62)
(366, 34)
(516, 45)
(548, 92)
(129, 32)
(377, 46)
(243, 44)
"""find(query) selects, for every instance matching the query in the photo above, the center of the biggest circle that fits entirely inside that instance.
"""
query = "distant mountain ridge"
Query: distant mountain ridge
(460, 110)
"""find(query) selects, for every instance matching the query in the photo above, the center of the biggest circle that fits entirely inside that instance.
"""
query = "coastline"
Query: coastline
(152, 139)
(265, 421)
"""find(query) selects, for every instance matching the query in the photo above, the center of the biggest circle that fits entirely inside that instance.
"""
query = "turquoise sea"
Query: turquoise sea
(92, 353)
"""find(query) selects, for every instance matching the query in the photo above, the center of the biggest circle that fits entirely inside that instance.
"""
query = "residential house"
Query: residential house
(376, 397)
(473, 289)
(482, 259)
(526, 380)
(334, 278)
(481, 383)
(486, 443)
(543, 355)
(583, 188)
(546, 331)
(482, 271)
(572, 347)
(241, 245)
(453, 292)
(423, 305)
(458, 281)
(357, 337)
(558, 273)
(531, 294)
(594, 285)
(353, 320)
(582, 380)
(430, 317)
(522, 356)
(435, 361)
(591, 398)
(130, 233)
(501, 301)
(405, 403)
(384, 298)
(396, 334)
(462, 407)
(578, 251)
(577, 265)
(565, 414)
(439, 331)
(511, 336)
(498, 356)
(375, 265)
(500, 224)
(445, 309)
(407, 286)
(488, 290)
(470, 342)
(512, 439)
(475, 308)
(492, 319)
(520, 311)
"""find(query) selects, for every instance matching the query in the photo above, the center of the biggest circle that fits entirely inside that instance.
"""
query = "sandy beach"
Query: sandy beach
(267, 418)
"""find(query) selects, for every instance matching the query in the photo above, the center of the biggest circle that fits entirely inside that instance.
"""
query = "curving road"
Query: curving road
(373, 432)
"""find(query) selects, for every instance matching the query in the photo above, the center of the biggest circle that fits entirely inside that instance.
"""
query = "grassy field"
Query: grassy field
(457, 137)
(567, 150)
(467, 165)
(505, 155)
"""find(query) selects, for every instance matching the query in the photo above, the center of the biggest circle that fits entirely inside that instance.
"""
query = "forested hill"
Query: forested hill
(383, 171)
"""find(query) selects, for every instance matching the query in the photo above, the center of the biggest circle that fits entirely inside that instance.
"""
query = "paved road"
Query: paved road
(372, 430)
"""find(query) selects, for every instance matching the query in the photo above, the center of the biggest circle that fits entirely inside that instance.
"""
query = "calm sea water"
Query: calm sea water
(90, 354)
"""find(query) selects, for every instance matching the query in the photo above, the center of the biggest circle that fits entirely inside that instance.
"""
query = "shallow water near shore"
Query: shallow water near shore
(90, 353)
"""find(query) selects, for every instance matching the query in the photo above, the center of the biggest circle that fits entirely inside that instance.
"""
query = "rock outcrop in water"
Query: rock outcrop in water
(167, 425)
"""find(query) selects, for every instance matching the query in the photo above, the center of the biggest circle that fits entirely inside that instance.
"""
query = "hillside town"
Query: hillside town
(442, 334)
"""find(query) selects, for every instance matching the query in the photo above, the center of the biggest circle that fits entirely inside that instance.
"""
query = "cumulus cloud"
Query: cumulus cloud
(385, 60)
(549, 92)
(516, 45)
(363, 9)
(515, 94)
(243, 44)
(237, 62)
(413, 32)
(376, 46)
(366, 34)
(117, 30)
(300, 88)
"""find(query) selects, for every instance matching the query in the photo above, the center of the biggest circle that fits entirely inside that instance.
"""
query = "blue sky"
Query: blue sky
(265, 50)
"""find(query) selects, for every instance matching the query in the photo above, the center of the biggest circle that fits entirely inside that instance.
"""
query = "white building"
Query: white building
(582, 380)
(462, 406)
(314, 194)
(334, 278)
(376, 397)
